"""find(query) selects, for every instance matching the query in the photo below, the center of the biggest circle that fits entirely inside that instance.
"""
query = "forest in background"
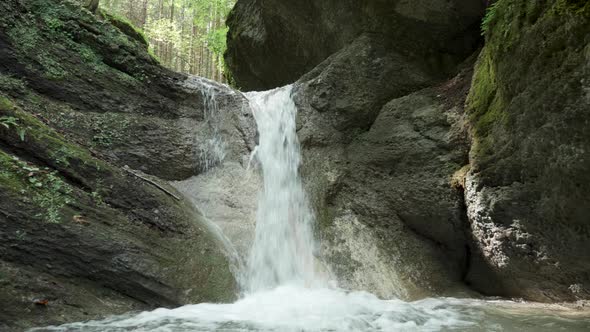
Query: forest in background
(188, 36)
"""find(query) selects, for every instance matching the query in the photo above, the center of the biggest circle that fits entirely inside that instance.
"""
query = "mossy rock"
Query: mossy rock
(77, 222)
(528, 110)
(126, 27)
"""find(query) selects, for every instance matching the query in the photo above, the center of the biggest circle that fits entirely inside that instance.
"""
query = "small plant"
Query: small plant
(53, 70)
(109, 128)
(54, 198)
(9, 83)
(12, 122)
(39, 185)
(25, 38)
(489, 18)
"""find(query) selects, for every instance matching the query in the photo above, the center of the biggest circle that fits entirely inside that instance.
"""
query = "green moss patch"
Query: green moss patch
(126, 27)
(43, 187)
(577, 7)
(11, 84)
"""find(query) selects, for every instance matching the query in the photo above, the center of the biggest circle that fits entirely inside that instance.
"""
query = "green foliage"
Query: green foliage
(24, 37)
(51, 68)
(6, 104)
(44, 187)
(579, 7)
(108, 128)
(126, 26)
(489, 18)
(184, 35)
(153, 54)
(216, 40)
(485, 103)
(9, 83)
(10, 122)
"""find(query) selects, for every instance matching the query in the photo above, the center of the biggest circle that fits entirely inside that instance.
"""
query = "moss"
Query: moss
(48, 142)
(485, 103)
(24, 37)
(52, 69)
(90, 57)
(109, 128)
(577, 7)
(520, 36)
(125, 26)
(43, 187)
(6, 104)
(11, 84)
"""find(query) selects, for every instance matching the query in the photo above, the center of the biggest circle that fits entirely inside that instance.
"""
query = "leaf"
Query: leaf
(21, 133)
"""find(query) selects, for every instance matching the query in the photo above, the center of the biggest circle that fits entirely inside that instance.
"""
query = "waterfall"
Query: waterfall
(283, 292)
(213, 151)
(283, 247)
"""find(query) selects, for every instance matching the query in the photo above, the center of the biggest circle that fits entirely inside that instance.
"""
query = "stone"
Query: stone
(273, 43)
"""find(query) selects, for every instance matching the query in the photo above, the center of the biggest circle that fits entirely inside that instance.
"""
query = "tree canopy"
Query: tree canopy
(185, 35)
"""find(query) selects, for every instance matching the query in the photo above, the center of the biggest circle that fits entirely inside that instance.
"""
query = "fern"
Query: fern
(489, 17)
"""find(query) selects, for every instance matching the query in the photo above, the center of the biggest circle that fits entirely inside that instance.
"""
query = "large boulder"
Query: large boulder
(272, 43)
(528, 191)
(378, 164)
(90, 128)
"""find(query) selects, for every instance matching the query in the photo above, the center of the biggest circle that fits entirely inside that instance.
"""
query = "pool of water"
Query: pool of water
(295, 308)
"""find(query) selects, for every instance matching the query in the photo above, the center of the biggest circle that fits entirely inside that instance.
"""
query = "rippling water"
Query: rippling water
(293, 308)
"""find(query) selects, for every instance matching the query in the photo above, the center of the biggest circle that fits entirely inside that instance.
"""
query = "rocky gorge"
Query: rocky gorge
(438, 162)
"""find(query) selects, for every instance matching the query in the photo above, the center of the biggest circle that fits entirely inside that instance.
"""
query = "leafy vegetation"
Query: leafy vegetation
(43, 186)
(184, 35)
(9, 83)
(488, 18)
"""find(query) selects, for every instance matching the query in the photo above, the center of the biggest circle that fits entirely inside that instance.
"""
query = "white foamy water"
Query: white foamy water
(283, 290)
(283, 247)
(289, 308)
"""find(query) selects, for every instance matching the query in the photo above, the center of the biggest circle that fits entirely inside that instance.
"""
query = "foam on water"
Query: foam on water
(296, 308)
(284, 291)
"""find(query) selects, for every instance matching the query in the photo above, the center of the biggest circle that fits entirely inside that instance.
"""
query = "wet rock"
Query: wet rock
(78, 228)
(273, 43)
(378, 163)
(528, 189)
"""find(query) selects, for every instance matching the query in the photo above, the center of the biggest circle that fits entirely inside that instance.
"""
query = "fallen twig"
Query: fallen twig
(128, 169)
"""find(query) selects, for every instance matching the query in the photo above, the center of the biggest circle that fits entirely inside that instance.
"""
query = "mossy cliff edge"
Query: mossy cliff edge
(528, 192)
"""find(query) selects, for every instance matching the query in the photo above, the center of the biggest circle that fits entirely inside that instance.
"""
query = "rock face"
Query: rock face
(414, 195)
(378, 165)
(90, 127)
(273, 43)
(528, 192)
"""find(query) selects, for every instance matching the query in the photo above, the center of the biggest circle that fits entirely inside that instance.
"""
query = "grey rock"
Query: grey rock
(378, 167)
(273, 43)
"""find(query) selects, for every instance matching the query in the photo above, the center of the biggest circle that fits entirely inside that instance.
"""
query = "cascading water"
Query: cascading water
(283, 247)
(283, 291)
(213, 151)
